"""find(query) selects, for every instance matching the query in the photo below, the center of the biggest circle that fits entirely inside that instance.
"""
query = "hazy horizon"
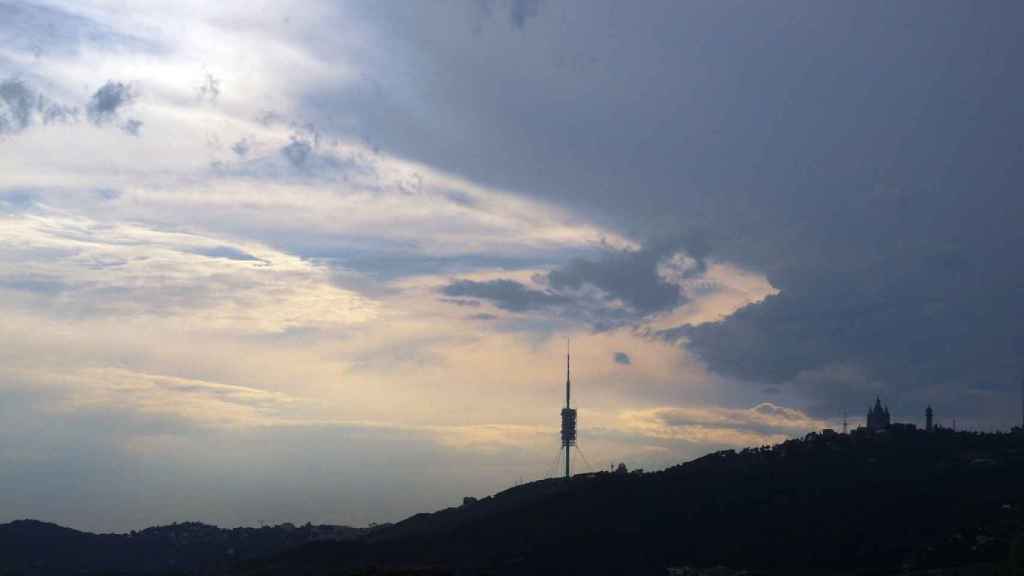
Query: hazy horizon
(274, 263)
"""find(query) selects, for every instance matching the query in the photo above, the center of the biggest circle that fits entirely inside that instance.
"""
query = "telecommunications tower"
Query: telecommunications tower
(568, 418)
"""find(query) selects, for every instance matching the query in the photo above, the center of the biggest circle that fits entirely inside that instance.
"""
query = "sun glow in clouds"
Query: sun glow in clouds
(188, 261)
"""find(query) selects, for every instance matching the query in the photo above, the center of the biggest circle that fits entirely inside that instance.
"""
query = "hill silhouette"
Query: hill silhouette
(898, 502)
(29, 547)
(828, 504)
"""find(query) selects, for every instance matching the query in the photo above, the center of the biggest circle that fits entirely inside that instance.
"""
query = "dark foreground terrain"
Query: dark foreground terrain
(38, 548)
(900, 502)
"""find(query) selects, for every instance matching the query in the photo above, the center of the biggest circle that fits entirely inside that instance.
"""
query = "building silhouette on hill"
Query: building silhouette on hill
(879, 419)
(878, 416)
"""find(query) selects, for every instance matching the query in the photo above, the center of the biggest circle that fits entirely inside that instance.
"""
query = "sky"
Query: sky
(272, 262)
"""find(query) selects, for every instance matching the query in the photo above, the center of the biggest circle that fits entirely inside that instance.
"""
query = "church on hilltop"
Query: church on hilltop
(879, 420)
(878, 416)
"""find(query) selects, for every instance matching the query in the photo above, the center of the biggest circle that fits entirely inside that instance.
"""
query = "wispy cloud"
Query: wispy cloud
(195, 402)
(764, 423)
(91, 268)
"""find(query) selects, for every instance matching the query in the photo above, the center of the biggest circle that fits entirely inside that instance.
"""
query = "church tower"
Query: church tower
(878, 416)
(928, 417)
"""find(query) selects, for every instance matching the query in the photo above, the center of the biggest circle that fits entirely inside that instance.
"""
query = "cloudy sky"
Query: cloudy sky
(318, 262)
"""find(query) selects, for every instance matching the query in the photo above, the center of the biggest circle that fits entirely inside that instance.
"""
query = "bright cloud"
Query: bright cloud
(765, 423)
(201, 275)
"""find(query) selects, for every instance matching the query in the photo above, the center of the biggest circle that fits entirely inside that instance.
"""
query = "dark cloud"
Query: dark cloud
(616, 288)
(462, 302)
(630, 276)
(300, 159)
(461, 198)
(108, 193)
(228, 252)
(519, 11)
(483, 316)
(297, 152)
(881, 200)
(21, 106)
(623, 358)
(17, 103)
(505, 294)
(932, 328)
(209, 90)
(53, 112)
(132, 126)
(108, 101)
(241, 148)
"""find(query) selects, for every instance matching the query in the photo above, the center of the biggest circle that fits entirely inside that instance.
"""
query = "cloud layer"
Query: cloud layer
(283, 241)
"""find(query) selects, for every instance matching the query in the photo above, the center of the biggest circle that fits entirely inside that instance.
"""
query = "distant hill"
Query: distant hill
(29, 547)
(899, 502)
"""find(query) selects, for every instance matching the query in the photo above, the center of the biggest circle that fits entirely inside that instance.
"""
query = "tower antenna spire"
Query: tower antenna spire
(842, 404)
(568, 381)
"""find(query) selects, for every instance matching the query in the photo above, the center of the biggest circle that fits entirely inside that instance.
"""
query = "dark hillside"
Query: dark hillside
(898, 502)
(861, 503)
(29, 547)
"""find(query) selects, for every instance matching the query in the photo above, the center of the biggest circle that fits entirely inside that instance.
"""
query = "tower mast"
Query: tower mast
(842, 404)
(568, 387)
(568, 382)
(568, 418)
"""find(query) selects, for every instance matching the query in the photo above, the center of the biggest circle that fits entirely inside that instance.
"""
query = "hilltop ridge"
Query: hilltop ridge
(42, 548)
(900, 501)
(871, 503)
